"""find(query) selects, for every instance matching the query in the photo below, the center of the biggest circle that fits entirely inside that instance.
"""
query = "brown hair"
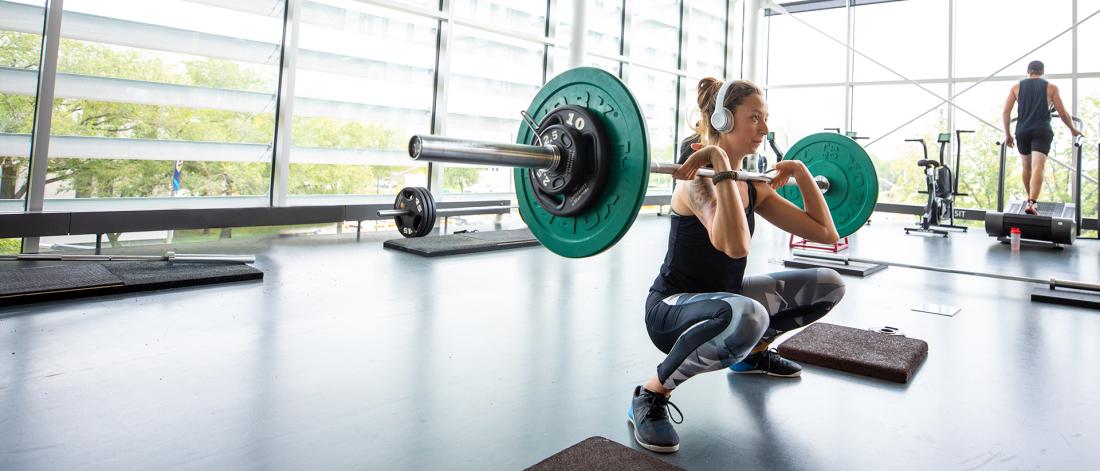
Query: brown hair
(735, 96)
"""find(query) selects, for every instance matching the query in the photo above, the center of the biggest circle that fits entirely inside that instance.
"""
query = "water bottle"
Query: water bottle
(1014, 237)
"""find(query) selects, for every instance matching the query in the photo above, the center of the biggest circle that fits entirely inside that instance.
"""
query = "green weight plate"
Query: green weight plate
(853, 182)
(602, 225)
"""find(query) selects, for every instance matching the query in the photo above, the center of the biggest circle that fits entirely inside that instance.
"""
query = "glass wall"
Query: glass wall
(604, 37)
(911, 41)
(20, 47)
(176, 103)
(364, 83)
(799, 54)
(918, 45)
(493, 78)
(165, 100)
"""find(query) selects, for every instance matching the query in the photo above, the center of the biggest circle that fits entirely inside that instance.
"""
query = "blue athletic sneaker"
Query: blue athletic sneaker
(767, 362)
(652, 427)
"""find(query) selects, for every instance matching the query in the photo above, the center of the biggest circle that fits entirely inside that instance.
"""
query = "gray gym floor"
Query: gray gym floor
(348, 356)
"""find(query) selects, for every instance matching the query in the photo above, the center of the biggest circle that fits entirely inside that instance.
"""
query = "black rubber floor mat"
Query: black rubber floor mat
(31, 281)
(84, 279)
(472, 242)
(878, 355)
(140, 276)
(599, 453)
(1066, 297)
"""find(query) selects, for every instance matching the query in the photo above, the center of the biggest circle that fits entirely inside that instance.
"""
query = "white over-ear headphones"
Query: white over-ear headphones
(722, 119)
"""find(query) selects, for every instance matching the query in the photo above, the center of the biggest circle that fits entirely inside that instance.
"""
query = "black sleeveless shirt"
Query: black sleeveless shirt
(1032, 109)
(693, 265)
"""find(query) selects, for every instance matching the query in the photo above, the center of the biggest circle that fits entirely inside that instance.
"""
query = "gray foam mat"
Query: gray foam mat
(599, 453)
(28, 281)
(890, 357)
(21, 285)
(470, 242)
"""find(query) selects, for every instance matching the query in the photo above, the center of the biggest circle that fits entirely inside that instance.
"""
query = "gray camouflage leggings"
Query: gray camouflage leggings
(703, 332)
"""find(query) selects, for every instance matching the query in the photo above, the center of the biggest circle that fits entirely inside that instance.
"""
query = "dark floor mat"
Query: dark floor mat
(32, 281)
(890, 357)
(140, 276)
(84, 279)
(1066, 297)
(598, 453)
(470, 242)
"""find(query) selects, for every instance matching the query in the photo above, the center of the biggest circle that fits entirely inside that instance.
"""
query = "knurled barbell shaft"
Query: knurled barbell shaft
(464, 151)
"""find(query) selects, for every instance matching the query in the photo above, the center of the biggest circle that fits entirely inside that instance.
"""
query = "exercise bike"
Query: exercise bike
(941, 188)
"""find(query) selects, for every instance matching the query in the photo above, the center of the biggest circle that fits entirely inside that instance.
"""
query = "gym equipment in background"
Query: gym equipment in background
(940, 186)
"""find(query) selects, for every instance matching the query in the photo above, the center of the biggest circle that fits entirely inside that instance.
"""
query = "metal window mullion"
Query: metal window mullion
(681, 80)
(624, 43)
(849, 71)
(951, 30)
(578, 33)
(439, 107)
(284, 106)
(551, 32)
(1075, 185)
(43, 115)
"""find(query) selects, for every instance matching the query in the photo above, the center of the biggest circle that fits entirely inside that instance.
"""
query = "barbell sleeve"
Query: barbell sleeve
(463, 151)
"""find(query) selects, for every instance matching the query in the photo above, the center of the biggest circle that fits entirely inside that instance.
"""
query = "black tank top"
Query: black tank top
(1032, 109)
(693, 265)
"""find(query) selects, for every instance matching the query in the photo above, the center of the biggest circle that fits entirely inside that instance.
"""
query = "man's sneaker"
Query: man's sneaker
(652, 426)
(1029, 208)
(767, 362)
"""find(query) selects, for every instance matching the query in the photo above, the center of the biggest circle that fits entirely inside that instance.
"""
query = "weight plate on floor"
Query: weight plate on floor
(428, 221)
(853, 182)
(413, 223)
(613, 212)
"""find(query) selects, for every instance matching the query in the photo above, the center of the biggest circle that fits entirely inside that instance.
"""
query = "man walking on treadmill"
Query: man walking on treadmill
(1036, 98)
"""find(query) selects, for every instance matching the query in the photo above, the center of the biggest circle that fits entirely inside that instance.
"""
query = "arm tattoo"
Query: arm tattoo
(702, 193)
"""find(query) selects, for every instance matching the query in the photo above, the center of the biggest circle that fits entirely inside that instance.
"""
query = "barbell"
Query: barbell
(414, 210)
(581, 172)
(1052, 282)
(169, 256)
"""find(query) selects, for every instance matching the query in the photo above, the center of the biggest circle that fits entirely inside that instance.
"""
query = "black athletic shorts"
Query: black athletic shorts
(1034, 141)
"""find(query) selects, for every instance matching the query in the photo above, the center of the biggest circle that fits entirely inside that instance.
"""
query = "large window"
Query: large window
(917, 48)
(176, 103)
(989, 36)
(799, 54)
(20, 47)
(525, 16)
(165, 99)
(890, 114)
(1088, 33)
(795, 113)
(604, 20)
(363, 86)
(705, 51)
(657, 93)
(655, 33)
(493, 78)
